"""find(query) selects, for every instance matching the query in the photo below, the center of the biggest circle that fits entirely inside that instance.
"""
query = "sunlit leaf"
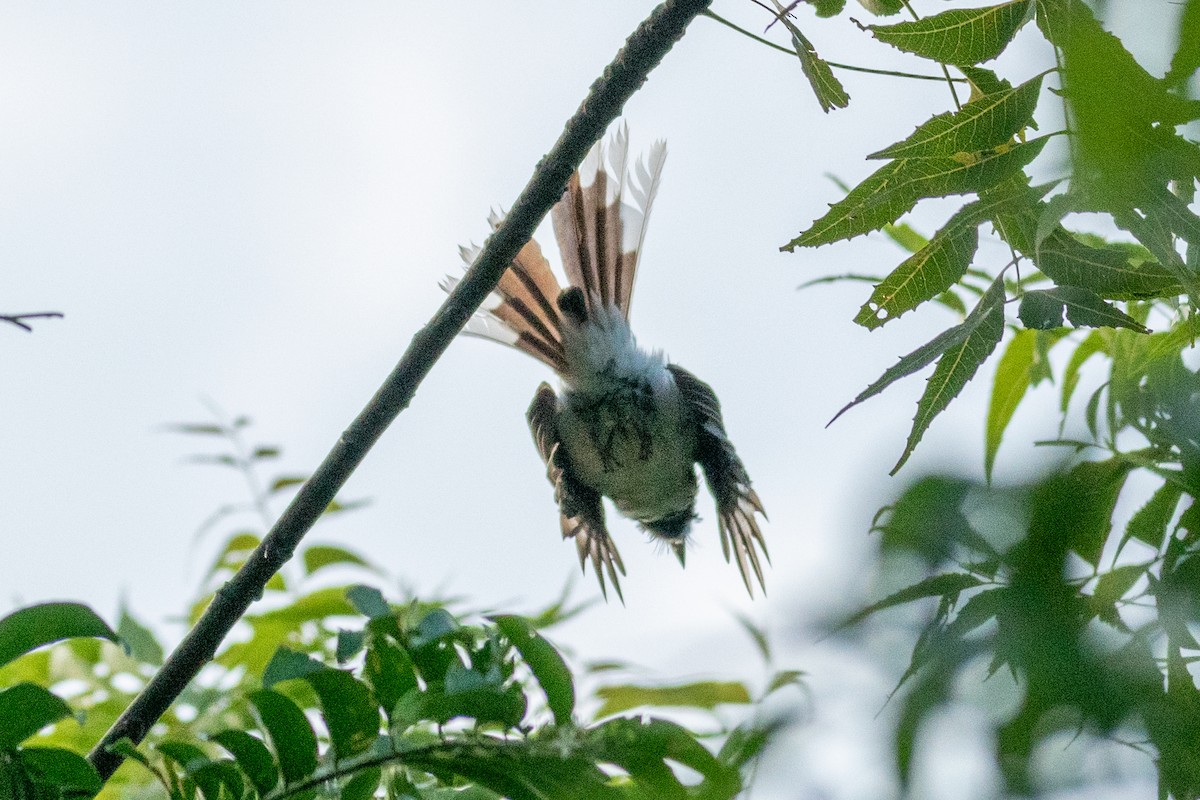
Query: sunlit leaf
(702, 694)
(1013, 374)
(318, 556)
(1093, 344)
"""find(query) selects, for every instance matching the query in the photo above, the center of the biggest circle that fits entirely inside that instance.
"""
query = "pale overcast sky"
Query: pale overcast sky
(254, 202)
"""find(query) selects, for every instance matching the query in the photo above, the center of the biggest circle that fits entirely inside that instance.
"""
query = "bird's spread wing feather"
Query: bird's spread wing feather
(580, 508)
(727, 479)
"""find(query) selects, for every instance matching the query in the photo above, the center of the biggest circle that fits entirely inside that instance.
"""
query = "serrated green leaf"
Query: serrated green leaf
(896, 187)
(1085, 308)
(1149, 523)
(828, 89)
(66, 771)
(958, 36)
(702, 694)
(351, 713)
(924, 275)
(984, 327)
(1013, 374)
(34, 626)
(24, 710)
(545, 662)
(949, 585)
(979, 125)
(319, 556)
(290, 733)
(252, 756)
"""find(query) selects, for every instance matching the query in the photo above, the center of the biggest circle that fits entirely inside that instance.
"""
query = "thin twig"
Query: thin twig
(624, 76)
(19, 319)
(834, 64)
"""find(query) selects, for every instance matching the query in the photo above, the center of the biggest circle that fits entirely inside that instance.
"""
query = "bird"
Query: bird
(627, 424)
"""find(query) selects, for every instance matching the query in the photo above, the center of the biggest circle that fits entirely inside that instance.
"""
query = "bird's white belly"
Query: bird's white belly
(637, 452)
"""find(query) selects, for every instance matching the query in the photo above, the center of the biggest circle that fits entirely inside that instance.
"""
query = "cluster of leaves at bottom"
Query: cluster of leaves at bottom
(422, 706)
(1020, 584)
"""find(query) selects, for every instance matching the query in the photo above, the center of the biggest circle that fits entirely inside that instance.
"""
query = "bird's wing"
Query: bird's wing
(580, 508)
(727, 479)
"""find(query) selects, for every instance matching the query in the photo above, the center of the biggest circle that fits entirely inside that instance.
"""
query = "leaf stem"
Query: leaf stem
(834, 64)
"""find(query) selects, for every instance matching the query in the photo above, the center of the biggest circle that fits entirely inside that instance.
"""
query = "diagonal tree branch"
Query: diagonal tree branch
(643, 51)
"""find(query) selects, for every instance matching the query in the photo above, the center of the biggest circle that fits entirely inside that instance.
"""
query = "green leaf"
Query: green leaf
(988, 122)
(928, 520)
(958, 36)
(319, 556)
(895, 188)
(24, 710)
(139, 639)
(642, 748)
(219, 780)
(1187, 54)
(829, 91)
(1113, 585)
(362, 786)
(369, 601)
(545, 662)
(948, 585)
(350, 712)
(701, 694)
(983, 327)
(290, 733)
(1013, 375)
(1149, 523)
(924, 275)
(1074, 510)
(287, 664)
(1093, 344)
(1042, 309)
(286, 482)
(66, 771)
(983, 81)
(252, 756)
(188, 756)
(388, 670)
(906, 236)
(827, 8)
(34, 626)
(882, 8)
